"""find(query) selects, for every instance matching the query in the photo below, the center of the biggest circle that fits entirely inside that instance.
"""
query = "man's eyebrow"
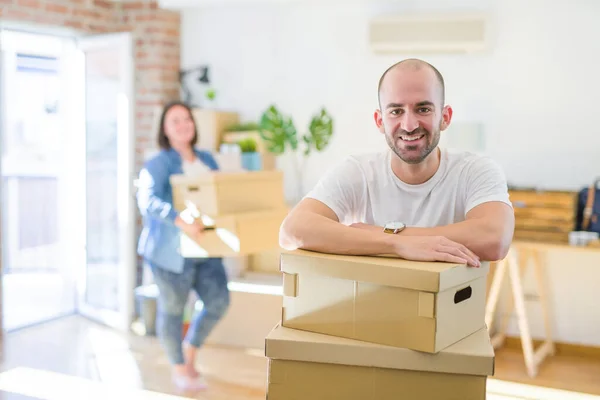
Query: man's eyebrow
(419, 104)
(394, 105)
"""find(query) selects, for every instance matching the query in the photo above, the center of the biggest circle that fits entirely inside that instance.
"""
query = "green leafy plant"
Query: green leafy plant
(278, 131)
(247, 145)
(280, 134)
(319, 133)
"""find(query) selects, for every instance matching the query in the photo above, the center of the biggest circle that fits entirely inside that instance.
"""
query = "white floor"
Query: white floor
(33, 297)
(30, 297)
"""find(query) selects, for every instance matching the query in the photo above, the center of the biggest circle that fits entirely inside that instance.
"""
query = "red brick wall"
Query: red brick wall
(157, 34)
(88, 16)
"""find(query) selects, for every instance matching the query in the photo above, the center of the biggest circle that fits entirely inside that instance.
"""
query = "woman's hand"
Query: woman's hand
(192, 229)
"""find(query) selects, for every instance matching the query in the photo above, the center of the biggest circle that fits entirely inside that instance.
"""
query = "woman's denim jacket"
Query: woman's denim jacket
(159, 242)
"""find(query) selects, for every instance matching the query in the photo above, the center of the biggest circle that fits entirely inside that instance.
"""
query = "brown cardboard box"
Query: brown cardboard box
(211, 124)
(423, 306)
(269, 161)
(236, 235)
(254, 310)
(222, 193)
(265, 261)
(311, 366)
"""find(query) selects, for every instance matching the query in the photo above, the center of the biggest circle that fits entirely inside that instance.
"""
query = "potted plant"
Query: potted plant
(251, 160)
(250, 129)
(280, 135)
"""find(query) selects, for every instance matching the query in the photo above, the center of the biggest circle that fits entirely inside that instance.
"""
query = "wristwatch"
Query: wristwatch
(394, 227)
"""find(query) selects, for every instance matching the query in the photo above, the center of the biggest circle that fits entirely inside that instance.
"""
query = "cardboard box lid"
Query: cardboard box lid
(225, 176)
(473, 355)
(383, 270)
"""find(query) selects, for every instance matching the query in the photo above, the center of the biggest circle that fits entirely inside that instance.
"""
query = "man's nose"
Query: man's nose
(410, 122)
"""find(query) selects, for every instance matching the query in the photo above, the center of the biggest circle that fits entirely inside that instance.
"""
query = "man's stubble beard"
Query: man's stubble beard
(435, 140)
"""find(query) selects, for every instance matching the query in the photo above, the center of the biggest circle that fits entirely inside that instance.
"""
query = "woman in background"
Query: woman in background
(159, 246)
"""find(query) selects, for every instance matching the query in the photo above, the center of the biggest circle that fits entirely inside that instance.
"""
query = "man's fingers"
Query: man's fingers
(458, 252)
(471, 256)
(447, 257)
(469, 252)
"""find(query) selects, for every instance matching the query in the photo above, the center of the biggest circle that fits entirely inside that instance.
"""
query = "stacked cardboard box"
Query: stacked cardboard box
(241, 210)
(211, 125)
(379, 328)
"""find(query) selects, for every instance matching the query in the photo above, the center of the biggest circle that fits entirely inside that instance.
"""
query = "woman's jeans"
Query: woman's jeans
(207, 277)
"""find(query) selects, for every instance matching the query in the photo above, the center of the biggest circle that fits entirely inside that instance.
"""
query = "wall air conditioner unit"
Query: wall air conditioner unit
(428, 33)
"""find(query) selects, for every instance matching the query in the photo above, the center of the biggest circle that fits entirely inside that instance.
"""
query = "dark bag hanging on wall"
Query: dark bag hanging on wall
(588, 209)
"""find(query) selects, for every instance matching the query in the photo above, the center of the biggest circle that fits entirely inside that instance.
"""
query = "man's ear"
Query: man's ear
(446, 117)
(379, 120)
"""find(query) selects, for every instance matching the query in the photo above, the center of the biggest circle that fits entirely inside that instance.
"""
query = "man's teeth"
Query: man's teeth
(411, 138)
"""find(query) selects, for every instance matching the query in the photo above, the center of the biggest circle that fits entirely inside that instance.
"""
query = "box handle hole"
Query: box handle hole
(463, 295)
(193, 189)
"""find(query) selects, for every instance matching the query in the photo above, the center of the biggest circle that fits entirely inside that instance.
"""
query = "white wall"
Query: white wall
(535, 91)
(570, 280)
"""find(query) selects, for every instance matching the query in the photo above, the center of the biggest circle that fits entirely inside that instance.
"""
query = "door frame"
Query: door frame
(2, 129)
(127, 269)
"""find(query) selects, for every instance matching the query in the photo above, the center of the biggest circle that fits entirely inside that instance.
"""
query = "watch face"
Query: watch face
(394, 225)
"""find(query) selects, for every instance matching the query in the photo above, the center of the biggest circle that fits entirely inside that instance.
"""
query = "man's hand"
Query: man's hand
(428, 248)
(193, 229)
(435, 248)
(487, 230)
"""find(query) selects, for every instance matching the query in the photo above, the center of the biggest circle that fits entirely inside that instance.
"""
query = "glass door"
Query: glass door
(102, 131)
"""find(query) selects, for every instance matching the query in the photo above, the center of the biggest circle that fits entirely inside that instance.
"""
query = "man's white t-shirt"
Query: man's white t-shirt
(363, 188)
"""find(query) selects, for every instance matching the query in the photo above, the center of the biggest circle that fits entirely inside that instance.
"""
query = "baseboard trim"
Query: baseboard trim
(566, 349)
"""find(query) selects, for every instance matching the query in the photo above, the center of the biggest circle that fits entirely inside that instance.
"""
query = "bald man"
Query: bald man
(415, 200)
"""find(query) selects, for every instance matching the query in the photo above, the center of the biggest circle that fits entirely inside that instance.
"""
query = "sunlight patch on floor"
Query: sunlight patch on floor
(501, 390)
(114, 361)
(46, 385)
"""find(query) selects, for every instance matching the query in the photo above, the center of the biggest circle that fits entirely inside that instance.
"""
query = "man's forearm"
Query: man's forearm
(310, 231)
